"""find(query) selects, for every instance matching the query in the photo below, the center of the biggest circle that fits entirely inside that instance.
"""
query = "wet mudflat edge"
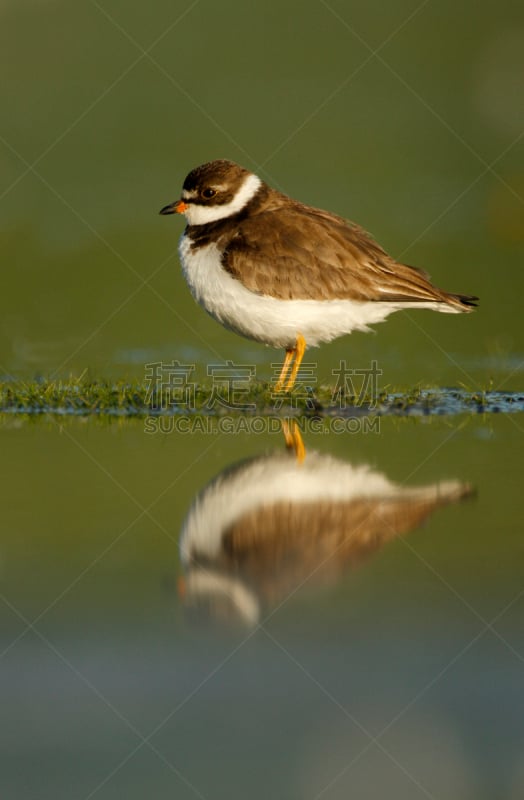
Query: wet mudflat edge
(122, 399)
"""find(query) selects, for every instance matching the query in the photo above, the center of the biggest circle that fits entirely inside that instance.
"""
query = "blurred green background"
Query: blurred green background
(404, 116)
(390, 114)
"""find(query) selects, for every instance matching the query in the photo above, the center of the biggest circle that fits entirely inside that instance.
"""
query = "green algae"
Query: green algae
(85, 397)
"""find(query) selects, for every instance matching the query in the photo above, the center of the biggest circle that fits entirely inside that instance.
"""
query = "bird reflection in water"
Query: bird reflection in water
(266, 526)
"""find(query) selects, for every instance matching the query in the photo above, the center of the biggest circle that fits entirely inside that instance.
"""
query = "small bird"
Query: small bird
(266, 526)
(287, 274)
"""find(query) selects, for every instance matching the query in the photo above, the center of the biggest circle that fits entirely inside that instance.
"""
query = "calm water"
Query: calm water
(359, 639)
(283, 661)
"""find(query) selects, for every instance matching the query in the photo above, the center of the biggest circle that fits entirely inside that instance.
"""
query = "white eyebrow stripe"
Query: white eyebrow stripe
(201, 215)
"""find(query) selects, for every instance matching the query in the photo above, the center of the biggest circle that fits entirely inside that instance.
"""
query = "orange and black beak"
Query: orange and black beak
(175, 208)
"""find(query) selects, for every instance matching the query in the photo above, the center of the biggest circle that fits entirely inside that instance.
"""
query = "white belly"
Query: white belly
(267, 319)
(268, 480)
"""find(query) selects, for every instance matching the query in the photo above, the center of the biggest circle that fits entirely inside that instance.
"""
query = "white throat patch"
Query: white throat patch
(201, 215)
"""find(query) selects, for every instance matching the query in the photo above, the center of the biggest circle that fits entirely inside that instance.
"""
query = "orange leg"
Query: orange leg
(285, 369)
(298, 444)
(300, 349)
(294, 439)
(288, 435)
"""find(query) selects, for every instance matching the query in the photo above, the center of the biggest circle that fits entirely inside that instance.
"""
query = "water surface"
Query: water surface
(417, 639)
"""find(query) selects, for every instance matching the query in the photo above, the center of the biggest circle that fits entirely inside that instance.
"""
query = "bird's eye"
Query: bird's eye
(208, 193)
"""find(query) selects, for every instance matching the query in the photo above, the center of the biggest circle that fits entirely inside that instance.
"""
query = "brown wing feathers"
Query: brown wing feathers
(298, 252)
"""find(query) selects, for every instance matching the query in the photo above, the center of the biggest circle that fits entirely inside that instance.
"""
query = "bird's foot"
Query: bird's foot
(296, 353)
(293, 439)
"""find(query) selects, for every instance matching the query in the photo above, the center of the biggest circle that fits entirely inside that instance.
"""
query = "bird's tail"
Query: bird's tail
(462, 302)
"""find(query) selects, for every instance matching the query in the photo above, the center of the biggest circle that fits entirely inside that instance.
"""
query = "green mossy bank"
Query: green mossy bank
(83, 397)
